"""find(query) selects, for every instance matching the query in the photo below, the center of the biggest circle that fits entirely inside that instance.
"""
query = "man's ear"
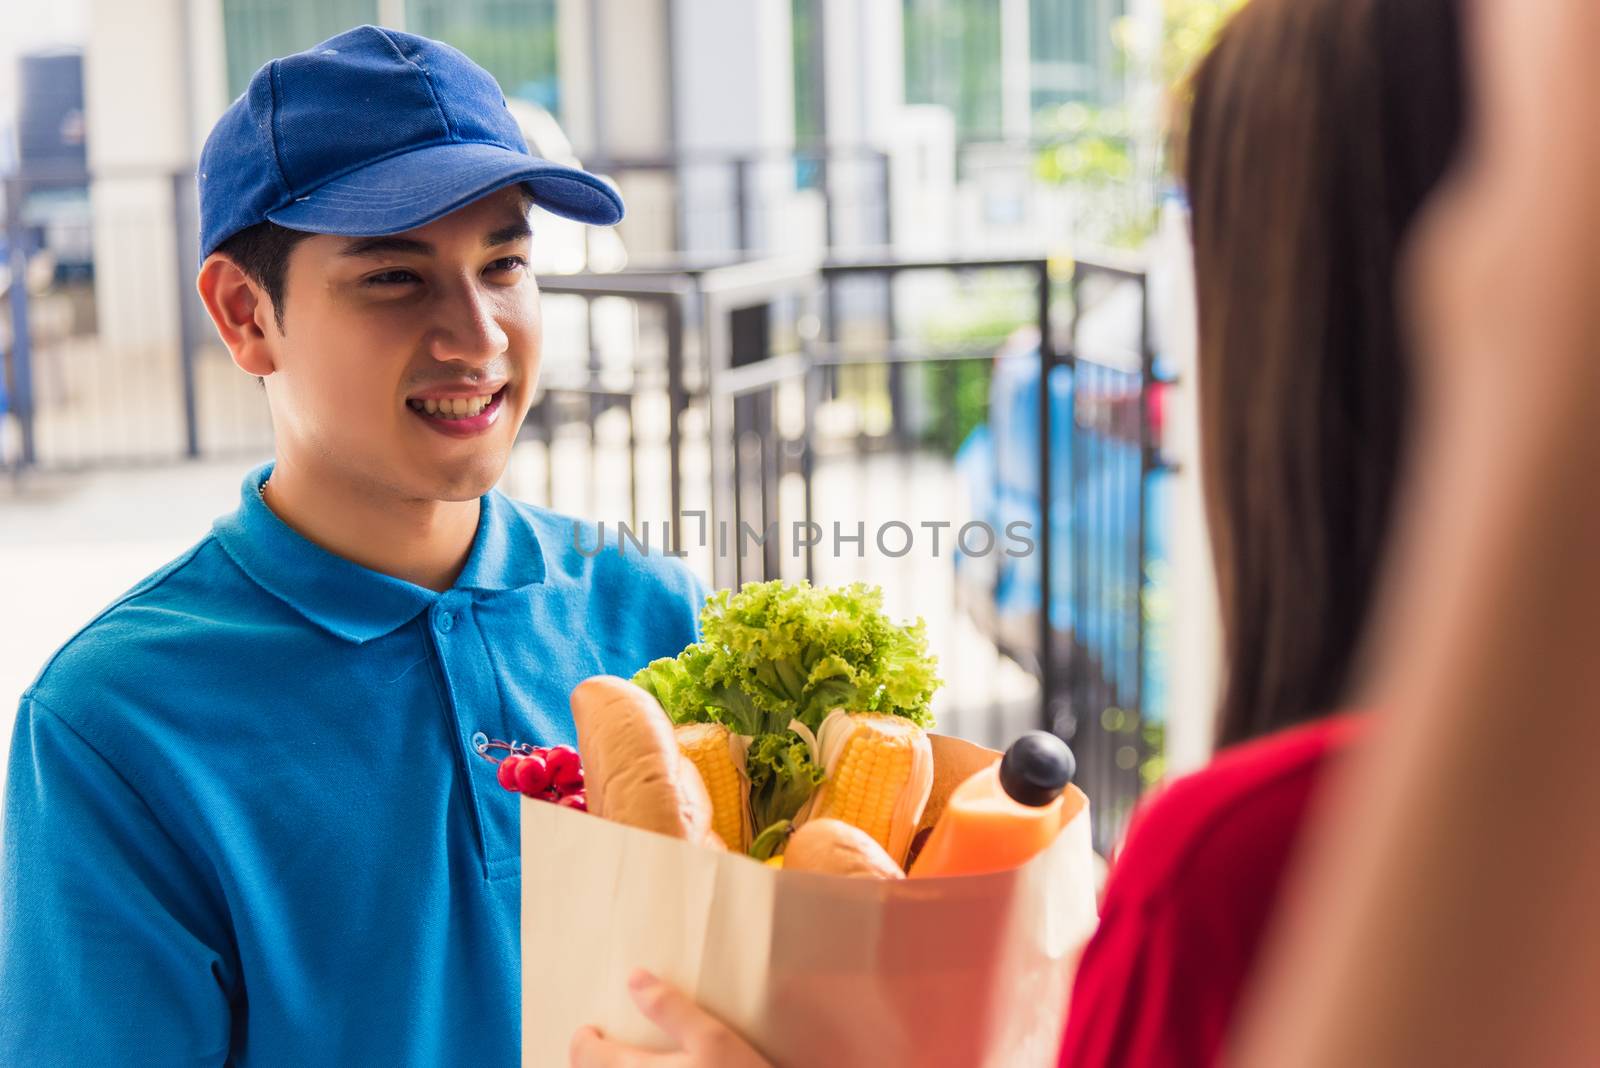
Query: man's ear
(242, 312)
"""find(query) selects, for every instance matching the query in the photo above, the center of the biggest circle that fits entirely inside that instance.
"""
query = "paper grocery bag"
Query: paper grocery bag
(811, 969)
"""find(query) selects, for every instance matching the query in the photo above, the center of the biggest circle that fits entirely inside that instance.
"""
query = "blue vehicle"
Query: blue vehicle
(1101, 494)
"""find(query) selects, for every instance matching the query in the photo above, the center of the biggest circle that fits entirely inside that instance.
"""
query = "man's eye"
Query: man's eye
(392, 278)
(508, 263)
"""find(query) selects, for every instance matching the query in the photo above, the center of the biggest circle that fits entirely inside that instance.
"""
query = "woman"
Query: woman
(1317, 130)
(1503, 602)
(1447, 914)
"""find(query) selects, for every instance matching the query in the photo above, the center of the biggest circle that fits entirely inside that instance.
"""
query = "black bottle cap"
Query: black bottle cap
(1036, 769)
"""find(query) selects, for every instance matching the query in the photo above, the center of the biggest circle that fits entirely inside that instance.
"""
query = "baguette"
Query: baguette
(633, 771)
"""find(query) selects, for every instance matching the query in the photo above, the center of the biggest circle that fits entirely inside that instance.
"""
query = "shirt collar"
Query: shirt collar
(357, 603)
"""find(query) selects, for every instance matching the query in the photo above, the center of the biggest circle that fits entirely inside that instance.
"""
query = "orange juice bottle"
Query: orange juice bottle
(1002, 816)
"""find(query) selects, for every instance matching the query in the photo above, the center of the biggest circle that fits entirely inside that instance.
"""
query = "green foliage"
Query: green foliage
(778, 652)
(1189, 27)
(1093, 145)
(981, 317)
(1102, 151)
(959, 391)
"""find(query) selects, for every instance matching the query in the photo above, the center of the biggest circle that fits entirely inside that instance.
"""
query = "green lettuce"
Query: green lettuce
(780, 651)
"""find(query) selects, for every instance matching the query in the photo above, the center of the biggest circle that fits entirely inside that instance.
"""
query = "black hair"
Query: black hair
(1318, 130)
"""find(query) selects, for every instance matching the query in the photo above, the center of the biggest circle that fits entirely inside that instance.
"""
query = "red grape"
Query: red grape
(579, 801)
(533, 777)
(566, 774)
(507, 773)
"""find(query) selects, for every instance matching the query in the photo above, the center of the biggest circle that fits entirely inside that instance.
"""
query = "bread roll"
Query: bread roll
(834, 847)
(633, 771)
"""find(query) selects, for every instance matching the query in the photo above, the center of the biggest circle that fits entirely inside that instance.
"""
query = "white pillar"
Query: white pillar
(1016, 71)
(576, 71)
(1194, 629)
(137, 104)
(616, 93)
(864, 61)
(863, 99)
(392, 13)
(733, 82)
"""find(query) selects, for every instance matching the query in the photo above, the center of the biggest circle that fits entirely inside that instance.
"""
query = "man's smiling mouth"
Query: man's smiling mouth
(461, 414)
(453, 407)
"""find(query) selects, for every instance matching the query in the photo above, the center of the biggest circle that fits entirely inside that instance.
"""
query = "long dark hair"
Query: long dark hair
(1317, 129)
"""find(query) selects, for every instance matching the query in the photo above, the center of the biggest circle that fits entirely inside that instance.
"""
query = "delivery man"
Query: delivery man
(246, 817)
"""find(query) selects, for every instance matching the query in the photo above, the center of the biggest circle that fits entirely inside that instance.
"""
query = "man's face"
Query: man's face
(408, 362)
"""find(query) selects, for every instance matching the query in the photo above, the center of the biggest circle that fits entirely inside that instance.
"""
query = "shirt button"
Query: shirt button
(444, 621)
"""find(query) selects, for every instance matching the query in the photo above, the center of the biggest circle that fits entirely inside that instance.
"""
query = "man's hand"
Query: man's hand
(703, 1040)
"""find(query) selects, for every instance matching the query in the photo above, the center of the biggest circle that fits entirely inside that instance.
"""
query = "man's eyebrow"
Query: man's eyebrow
(385, 246)
(506, 234)
(378, 246)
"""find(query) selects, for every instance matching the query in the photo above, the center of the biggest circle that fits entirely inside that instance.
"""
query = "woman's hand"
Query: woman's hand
(703, 1040)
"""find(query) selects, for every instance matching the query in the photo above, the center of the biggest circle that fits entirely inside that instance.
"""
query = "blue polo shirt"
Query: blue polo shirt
(245, 817)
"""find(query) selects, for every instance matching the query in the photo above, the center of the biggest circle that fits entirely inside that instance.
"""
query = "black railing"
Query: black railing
(743, 358)
(1081, 631)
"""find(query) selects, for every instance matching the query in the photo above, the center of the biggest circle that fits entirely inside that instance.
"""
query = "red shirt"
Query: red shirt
(1188, 901)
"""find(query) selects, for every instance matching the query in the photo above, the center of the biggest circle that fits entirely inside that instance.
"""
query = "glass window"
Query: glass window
(953, 57)
(255, 31)
(514, 40)
(807, 73)
(1074, 58)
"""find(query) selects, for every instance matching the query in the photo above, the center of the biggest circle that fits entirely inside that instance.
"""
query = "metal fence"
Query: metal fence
(752, 363)
(109, 358)
(831, 400)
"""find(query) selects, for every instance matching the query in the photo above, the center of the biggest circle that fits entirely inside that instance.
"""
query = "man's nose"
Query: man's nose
(467, 328)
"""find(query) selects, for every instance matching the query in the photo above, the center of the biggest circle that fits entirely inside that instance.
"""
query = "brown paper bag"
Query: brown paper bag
(811, 969)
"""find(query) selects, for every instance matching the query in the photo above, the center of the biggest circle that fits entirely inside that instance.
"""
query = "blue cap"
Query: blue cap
(374, 132)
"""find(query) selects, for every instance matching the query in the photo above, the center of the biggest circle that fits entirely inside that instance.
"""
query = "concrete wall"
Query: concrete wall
(733, 82)
(148, 110)
(864, 107)
(1194, 647)
(616, 101)
(137, 136)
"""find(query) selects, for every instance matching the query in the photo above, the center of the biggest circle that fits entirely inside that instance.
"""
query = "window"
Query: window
(953, 57)
(1074, 58)
(807, 73)
(514, 40)
(255, 31)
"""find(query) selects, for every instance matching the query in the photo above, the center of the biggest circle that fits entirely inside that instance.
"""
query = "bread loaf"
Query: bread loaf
(834, 847)
(633, 771)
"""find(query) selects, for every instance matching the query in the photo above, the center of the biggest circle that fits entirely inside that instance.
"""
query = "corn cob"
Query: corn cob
(879, 775)
(719, 755)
